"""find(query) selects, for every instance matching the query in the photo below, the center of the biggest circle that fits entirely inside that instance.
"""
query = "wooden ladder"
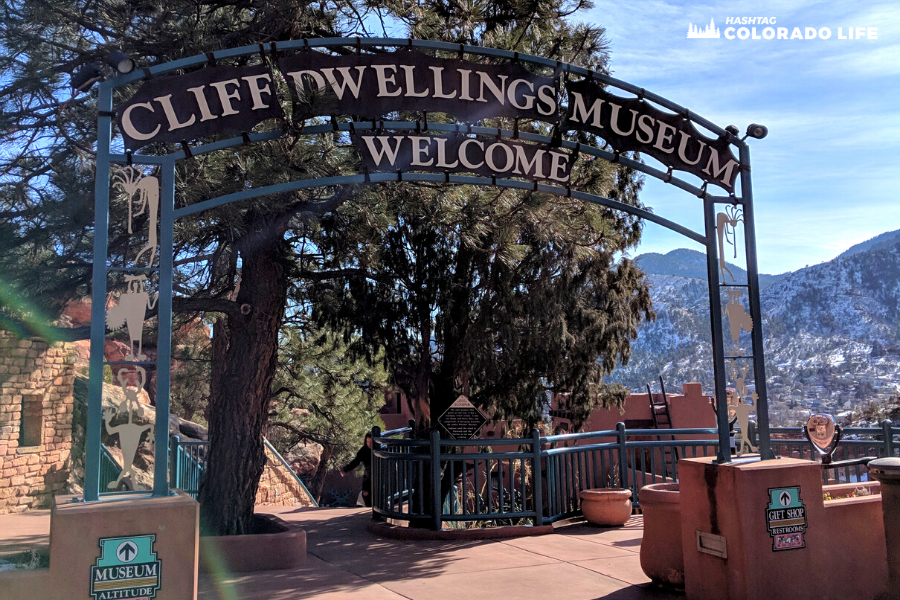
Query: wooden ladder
(662, 419)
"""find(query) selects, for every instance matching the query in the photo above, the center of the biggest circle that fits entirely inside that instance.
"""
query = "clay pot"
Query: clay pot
(607, 507)
(662, 557)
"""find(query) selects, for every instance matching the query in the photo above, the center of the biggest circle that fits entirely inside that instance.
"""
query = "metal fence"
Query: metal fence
(189, 463)
(629, 459)
(857, 444)
(484, 480)
(492, 481)
(109, 469)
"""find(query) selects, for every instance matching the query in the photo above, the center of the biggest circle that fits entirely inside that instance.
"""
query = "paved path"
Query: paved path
(345, 561)
(24, 531)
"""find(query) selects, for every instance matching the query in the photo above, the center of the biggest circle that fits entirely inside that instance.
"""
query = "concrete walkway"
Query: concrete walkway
(24, 531)
(345, 561)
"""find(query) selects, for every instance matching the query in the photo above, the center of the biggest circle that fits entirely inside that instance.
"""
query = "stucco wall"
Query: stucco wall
(30, 475)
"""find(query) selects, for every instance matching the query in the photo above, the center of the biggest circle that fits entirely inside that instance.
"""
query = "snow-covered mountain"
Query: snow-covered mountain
(832, 331)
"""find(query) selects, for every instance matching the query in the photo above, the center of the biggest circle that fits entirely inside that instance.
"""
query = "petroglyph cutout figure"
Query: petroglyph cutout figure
(129, 433)
(132, 180)
(738, 319)
(740, 381)
(741, 411)
(131, 310)
(726, 222)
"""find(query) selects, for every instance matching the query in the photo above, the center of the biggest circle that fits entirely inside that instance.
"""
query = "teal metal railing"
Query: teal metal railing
(109, 468)
(857, 444)
(494, 479)
(189, 464)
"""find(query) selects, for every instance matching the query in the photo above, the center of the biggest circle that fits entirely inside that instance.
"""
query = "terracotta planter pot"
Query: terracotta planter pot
(607, 507)
(662, 557)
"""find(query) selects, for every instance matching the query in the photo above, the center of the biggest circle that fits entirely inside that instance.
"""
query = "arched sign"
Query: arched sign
(186, 101)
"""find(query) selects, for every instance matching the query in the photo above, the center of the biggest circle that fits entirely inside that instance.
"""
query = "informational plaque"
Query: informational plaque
(462, 420)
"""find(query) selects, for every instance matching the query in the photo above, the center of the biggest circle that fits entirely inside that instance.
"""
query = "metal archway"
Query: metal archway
(139, 299)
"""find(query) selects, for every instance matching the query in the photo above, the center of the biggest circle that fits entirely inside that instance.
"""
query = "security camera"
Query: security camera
(757, 131)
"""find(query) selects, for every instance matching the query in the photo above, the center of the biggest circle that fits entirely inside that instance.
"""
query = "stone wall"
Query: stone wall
(36, 383)
(277, 486)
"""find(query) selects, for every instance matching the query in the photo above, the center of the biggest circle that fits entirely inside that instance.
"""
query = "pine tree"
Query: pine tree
(324, 396)
(46, 199)
(506, 260)
(499, 295)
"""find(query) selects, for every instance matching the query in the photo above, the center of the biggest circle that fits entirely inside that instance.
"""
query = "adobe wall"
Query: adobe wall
(42, 375)
(689, 409)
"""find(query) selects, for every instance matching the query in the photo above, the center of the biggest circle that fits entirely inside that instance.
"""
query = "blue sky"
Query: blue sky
(828, 174)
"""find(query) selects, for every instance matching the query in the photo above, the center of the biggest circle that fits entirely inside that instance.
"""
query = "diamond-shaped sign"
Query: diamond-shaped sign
(462, 420)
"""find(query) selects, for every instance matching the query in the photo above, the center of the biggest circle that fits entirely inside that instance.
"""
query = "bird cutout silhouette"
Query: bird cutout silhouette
(726, 222)
(132, 180)
(132, 310)
(738, 319)
(130, 433)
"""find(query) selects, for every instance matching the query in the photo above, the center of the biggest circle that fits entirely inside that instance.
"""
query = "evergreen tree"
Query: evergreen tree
(236, 262)
(504, 254)
(501, 296)
(324, 396)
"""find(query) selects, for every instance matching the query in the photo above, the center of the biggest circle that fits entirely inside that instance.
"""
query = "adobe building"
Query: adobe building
(36, 401)
(691, 408)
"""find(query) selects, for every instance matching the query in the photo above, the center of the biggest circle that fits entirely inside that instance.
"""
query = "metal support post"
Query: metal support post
(623, 455)
(376, 494)
(98, 297)
(537, 487)
(756, 334)
(164, 330)
(718, 343)
(887, 428)
(436, 507)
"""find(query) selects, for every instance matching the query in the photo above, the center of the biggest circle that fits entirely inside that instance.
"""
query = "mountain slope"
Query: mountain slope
(885, 240)
(690, 263)
(819, 326)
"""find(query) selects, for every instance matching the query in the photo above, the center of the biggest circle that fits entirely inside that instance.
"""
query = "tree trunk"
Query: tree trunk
(244, 355)
(318, 479)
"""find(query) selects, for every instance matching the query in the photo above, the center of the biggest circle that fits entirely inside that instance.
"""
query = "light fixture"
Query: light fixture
(120, 61)
(84, 76)
(757, 131)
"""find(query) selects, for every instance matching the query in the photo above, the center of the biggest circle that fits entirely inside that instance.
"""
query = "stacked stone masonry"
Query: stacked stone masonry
(278, 487)
(36, 385)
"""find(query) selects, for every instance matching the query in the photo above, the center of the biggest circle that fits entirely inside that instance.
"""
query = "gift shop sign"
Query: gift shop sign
(786, 519)
(218, 100)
